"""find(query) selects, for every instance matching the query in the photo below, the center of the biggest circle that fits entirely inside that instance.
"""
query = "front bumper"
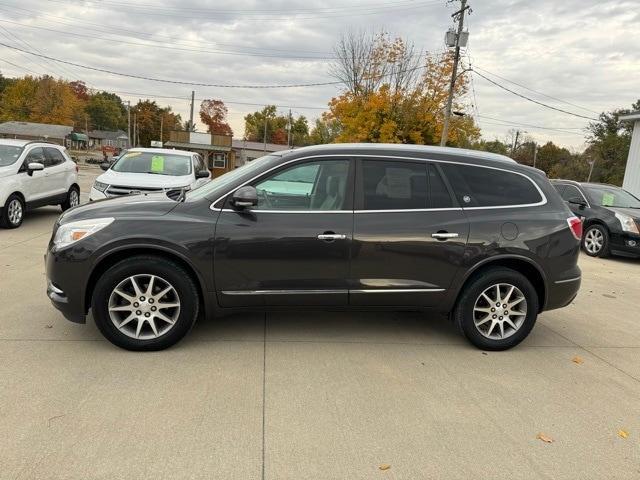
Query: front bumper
(626, 244)
(96, 195)
(65, 286)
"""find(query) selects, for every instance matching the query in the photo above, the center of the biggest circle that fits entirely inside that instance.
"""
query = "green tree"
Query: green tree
(107, 112)
(276, 127)
(148, 117)
(324, 131)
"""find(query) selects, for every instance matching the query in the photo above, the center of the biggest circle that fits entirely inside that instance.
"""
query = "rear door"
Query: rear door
(56, 171)
(409, 235)
(293, 247)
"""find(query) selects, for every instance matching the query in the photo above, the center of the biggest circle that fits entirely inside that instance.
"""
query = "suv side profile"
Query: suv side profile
(34, 174)
(402, 227)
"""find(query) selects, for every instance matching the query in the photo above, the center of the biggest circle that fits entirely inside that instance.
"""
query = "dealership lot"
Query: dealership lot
(317, 395)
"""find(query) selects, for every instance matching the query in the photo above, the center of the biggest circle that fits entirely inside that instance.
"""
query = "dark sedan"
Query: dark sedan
(610, 214)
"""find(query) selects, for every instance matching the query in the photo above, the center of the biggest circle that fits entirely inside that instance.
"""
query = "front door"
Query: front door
(409, 237)
(35, 185)
(293, 247)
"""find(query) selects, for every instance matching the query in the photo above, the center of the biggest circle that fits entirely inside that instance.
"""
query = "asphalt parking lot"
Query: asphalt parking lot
(327, 396)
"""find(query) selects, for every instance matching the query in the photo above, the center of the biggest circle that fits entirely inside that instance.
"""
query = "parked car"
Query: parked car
(34, 174)
(610, 214)
(145, 170)
(471, 234)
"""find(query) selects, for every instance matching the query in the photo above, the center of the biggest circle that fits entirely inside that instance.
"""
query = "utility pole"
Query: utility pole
(264, 136)
(86, 130)
(535, 153)
(161, 125)
(129, 122)
(289, 131)
(592, 162)
(459, 15)
(515, 144)
(135, 130)
(192, 127)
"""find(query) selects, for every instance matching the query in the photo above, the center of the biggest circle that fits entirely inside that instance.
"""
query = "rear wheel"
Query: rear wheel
(497, 309)
(145, 303)
(596, 241)
(72, 200)
(13, 212)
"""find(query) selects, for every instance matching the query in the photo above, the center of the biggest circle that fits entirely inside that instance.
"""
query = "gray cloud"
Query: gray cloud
(583, 51)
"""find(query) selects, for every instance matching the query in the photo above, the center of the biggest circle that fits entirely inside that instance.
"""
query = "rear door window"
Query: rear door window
(571, 193)
(490, 187)
(438, 192)
(53, 157)
(394, 185)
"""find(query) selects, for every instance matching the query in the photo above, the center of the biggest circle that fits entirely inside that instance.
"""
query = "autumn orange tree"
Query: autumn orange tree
(213, 114)
(393, 94)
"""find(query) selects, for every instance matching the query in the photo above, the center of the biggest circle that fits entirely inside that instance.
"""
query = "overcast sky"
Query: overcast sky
(584, 52)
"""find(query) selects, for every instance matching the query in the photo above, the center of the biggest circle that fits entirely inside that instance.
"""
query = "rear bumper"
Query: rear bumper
(561, 292)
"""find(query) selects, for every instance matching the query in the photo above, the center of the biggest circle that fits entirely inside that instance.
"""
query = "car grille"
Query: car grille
(118, 191)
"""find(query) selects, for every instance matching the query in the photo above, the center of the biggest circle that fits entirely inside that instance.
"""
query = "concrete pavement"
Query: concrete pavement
(328, 396)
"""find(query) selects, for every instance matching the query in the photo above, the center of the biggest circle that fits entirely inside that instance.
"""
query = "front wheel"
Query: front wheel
(145, 303)
(13, 212)
(497, 309)
(596, 241)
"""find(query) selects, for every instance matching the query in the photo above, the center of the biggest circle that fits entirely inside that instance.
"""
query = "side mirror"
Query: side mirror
(34, 167)
(577, 201)
(105, 166)
(245, 197)
(202, 174)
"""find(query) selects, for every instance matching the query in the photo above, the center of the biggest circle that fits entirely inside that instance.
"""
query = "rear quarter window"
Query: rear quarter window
(489, 187)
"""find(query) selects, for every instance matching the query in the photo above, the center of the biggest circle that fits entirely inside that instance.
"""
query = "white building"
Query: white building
(631, 181)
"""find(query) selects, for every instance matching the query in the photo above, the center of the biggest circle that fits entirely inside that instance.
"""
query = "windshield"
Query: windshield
(223, 180)
(607, 196)
(152, 162)
(9, 154)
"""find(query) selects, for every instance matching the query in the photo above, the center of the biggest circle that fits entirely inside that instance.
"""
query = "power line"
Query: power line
(528, 125)
(532, 100)
(20, 67)
(197, 84)
(536, 91)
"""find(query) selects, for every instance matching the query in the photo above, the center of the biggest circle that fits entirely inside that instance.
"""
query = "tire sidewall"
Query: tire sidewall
(5, 212)
(67, 203)
(605, 241)
(463, 313)
(173, 273)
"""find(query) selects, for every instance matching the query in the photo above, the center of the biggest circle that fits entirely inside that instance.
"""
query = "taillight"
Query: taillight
(575, 225)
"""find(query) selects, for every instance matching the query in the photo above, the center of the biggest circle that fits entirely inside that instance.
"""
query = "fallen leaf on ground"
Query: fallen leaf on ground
(577, 360)
(384, 466)
(623, 433)
(544, 438)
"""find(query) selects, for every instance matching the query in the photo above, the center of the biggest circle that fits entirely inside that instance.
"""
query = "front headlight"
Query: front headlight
(75, 231)
(627, 222)
(101, 187)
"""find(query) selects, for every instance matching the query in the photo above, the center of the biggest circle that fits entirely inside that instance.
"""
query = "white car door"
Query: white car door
(33, 186)
(56, 171)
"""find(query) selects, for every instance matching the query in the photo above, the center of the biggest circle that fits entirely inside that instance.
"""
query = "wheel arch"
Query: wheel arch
(17, 193)
(113, 257)
(519, 264)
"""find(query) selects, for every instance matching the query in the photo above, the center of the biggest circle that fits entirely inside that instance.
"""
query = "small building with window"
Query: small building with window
(114, 139)
(215, 149)
(247, 151)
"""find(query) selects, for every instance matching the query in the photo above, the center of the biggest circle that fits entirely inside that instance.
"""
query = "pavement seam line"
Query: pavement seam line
(264, 390)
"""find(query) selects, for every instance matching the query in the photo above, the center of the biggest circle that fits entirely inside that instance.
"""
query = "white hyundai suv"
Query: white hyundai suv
(34, 174)
(147, 170)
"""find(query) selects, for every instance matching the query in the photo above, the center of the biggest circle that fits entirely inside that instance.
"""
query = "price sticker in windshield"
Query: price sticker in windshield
(157, 164)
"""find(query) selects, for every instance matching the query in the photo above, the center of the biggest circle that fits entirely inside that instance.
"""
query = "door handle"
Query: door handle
(330, 237)
(444, 235)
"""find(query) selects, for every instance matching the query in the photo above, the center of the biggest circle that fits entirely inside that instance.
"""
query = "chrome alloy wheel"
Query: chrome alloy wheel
(15, 211)
(594, 241)
(144, 306)
(74, 198)
(499, 311)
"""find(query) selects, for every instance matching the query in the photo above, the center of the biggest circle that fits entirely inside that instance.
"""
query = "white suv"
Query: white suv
(34, 174)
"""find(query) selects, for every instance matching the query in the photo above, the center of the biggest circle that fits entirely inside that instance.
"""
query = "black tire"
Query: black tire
(463, 314)
(8, 219)
(604, 250)
(173, 274)
(70, 201)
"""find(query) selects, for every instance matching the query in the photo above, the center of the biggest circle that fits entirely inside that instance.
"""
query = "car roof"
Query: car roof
(167, 151)
(574, 182)
(23, 143)
(401, 147)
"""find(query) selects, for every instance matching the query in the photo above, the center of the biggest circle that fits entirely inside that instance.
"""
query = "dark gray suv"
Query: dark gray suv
(469, 234)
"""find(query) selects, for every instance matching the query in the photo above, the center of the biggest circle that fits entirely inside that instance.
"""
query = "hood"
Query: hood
(7, 171)
(632, 212)
(144, 180)
(144, 205)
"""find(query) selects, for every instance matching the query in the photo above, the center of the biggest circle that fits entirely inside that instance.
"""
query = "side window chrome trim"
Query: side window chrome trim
(382, 157)
(579, 191)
